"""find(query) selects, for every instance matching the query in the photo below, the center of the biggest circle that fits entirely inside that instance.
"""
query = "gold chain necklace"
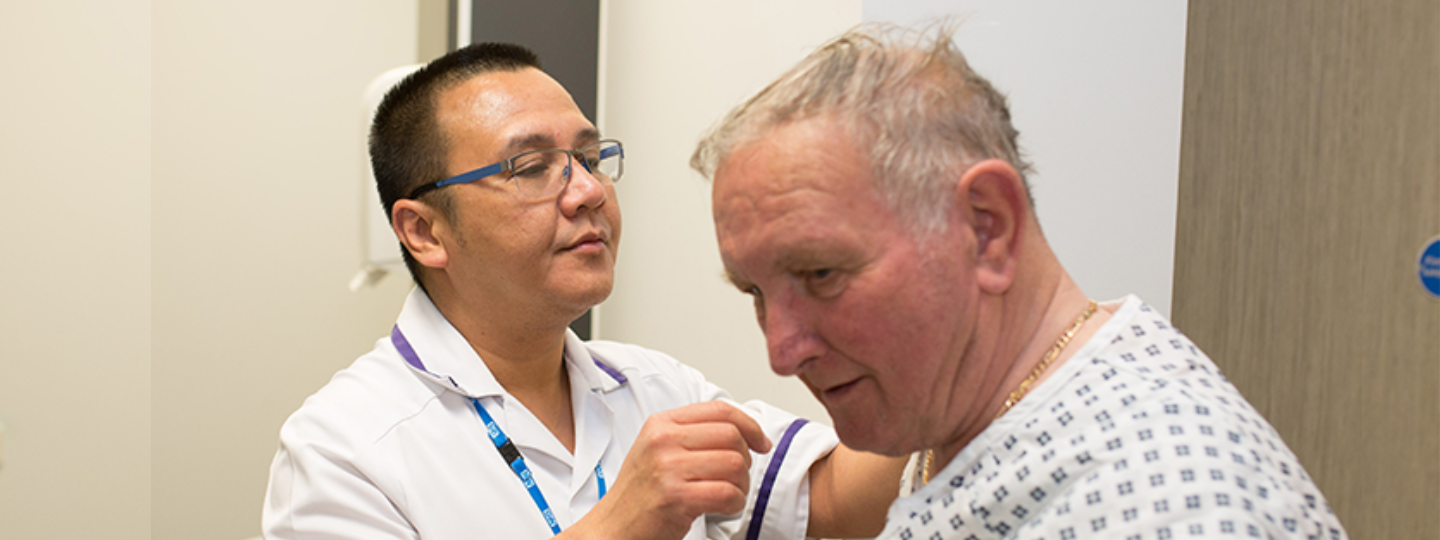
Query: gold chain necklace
(1024, 387)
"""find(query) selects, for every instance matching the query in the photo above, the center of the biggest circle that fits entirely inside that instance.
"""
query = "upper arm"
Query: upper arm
(851, 491)
(316, 493)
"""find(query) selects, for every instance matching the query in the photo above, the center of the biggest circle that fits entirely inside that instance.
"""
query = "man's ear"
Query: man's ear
(419, 226)
(998, 210)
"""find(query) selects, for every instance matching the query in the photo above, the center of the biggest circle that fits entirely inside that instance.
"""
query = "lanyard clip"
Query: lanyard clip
(509, 453)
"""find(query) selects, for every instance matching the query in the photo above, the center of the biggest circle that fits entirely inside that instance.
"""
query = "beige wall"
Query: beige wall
(258, 156)
(75, 280)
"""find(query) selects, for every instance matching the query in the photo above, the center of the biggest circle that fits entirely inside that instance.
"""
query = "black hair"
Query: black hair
(407, 147)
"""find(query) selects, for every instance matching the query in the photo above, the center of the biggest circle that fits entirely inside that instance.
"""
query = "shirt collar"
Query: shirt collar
(435, 350)
(599, 376)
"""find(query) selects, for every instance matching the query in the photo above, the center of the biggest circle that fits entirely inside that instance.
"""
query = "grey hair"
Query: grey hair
(907, 95)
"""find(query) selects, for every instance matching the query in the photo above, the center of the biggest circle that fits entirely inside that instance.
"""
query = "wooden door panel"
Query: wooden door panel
(1310, 178)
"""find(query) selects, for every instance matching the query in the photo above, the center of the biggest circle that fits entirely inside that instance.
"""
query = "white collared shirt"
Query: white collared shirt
(389, 449)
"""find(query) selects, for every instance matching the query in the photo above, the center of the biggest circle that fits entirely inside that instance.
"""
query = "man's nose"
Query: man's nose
(583, 190)
(789, 337)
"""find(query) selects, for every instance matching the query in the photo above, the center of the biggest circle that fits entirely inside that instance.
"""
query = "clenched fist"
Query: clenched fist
(686, 462)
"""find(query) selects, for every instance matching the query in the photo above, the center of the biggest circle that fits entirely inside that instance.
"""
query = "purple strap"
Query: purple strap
(612, 372)
(407, 352)
(402, 345)
(757, 516)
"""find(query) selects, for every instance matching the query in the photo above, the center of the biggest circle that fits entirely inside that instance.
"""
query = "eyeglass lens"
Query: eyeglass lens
(542, 173)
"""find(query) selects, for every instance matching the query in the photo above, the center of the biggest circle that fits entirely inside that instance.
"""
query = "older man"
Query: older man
(481, 416)
(873, 202)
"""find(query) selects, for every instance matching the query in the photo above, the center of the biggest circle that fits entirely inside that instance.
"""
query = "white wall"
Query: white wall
(75, 283)
(1096, 90)
(668, 70)
(256, 208)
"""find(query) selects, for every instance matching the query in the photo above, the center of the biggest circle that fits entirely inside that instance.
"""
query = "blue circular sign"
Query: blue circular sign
(1430, 267)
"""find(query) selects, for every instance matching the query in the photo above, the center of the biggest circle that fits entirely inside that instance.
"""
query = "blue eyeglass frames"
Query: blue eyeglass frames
(542, 173)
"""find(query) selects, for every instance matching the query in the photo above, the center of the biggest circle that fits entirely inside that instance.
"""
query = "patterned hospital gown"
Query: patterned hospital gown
(1137, 436)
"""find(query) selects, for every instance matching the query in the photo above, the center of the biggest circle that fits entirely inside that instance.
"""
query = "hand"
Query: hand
(686, 462)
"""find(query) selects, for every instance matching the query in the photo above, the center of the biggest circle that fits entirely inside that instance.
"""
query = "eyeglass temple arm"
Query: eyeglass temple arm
(463, 178)
(605, 152)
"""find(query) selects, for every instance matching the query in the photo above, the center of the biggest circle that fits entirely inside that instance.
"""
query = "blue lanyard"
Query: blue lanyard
(507, 449)
(512, 456)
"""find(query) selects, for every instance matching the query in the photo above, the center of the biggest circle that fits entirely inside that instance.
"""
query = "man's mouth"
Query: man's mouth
(840, 391)
(589, 242)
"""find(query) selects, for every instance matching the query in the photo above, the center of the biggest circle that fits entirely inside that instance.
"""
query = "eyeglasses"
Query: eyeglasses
(543, 173)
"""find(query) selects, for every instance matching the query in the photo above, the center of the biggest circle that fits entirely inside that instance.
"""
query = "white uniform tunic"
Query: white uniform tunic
(1136, 436)
(392, 448)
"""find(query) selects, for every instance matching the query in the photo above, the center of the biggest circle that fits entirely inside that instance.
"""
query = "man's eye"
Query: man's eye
(538, 165)
(819, 275)
(532, 170)
(824, 282)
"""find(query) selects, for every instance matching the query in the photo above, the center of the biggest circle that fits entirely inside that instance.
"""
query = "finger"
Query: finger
(664, 435)
(711, 436)
(714, 497)
(719, 411)
(715, 465)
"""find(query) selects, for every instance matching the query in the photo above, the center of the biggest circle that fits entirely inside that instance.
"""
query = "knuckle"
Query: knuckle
(668, 462)
(717, 498)
(659, 437)
(740, 478)
(732, 432)
(735, 502)
(736, 461)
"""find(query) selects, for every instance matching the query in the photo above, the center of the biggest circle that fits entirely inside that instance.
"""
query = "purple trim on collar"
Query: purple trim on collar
(402, 345)
(612, 372)
(757, 516)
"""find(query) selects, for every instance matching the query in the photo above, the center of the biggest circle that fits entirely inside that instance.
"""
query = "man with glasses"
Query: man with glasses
(481, 415)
